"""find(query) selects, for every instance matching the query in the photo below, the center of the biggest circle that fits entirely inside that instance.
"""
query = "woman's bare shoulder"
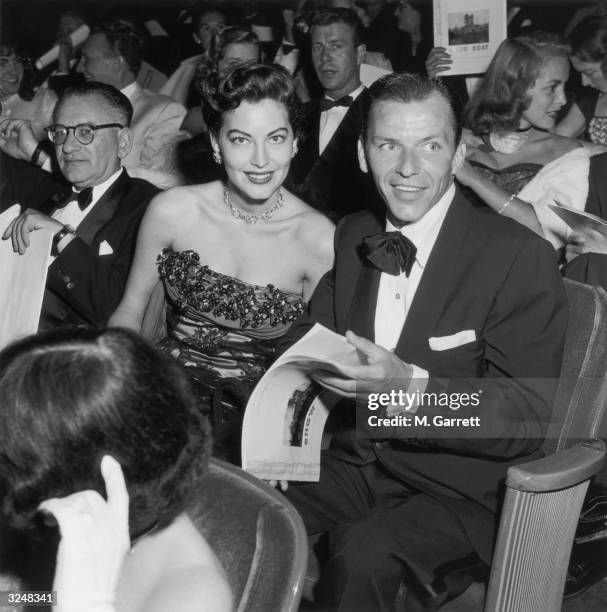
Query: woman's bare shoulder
(202, 588)
(559, 145)
(180, 202)
(310, 220)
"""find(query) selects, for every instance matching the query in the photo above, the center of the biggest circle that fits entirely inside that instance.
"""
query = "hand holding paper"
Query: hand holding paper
(377, 363)
(592, 242)
(19, 229)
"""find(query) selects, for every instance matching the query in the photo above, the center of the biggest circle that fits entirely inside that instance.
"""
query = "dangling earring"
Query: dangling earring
(295, 149)
(216, 156)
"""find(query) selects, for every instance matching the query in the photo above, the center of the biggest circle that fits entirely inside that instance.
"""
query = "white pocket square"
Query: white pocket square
(105, 248)
(443, 343)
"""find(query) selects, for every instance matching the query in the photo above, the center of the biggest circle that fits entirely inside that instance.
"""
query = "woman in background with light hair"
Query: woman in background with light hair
(520, 165)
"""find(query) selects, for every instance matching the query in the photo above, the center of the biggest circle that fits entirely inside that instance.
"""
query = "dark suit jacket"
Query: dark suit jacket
(487, 274)
(332, 182)
(84, 286)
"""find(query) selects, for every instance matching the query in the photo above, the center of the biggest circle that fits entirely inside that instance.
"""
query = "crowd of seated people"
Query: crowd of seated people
(201, 216)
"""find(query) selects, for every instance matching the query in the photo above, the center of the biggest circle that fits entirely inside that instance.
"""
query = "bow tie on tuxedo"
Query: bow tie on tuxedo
(327, 103)
(391, 252)
(84, 198)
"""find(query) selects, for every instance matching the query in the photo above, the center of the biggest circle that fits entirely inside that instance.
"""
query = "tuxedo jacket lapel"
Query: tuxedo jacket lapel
(439, 277)
(356, 295)
(308, 147)
(103, 210)
(361, 317)
(347, 131)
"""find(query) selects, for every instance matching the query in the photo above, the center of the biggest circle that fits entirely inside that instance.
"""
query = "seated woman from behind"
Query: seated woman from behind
(238, 259)
(522, 166)
(83, 412)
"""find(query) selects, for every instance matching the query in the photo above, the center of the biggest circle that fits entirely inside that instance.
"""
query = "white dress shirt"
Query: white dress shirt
(396, 293)
(71, 213)
(330, 120)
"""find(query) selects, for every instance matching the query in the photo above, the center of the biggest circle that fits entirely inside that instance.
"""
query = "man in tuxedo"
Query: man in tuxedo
(325, 172)
(113, 55)
(438, 296)
(95, 227)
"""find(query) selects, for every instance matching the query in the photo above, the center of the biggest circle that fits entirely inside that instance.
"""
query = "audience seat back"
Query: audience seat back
(257, 535)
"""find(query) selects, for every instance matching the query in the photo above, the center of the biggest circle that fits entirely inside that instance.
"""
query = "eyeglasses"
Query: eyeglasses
(83, 132)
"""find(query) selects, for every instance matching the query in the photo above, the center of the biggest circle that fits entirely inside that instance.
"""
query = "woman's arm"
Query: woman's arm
(317, 238)
(573, 124)
(154, 235)
(499, 199)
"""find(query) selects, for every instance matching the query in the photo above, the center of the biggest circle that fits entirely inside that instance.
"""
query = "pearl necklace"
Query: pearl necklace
(238, 214)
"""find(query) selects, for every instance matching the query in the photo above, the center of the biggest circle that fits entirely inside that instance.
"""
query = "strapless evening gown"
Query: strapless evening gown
(223, 331)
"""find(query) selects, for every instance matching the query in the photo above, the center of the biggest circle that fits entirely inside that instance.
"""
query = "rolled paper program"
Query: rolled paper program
(77, 36)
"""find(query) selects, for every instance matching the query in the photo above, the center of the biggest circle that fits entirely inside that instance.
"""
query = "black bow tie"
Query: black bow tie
(391, 252)
(326, 103)
(84, 197)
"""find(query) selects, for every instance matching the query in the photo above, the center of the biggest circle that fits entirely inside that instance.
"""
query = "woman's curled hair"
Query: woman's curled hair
(69, 397)
(249, 82)
(501, 98)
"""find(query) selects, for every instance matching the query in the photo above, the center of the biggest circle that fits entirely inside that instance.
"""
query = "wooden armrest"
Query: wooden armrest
(559, 471)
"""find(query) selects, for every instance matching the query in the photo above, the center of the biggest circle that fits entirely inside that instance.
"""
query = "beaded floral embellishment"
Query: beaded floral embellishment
(225, 297)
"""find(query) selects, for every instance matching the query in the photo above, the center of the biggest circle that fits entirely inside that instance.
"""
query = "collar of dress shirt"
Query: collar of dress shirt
(354, 95)
(99, 190)
(424, 231)
(129, 90)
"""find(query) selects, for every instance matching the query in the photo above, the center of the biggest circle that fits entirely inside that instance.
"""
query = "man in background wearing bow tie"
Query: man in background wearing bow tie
(95, 227)
(325, 172)
(437, 296)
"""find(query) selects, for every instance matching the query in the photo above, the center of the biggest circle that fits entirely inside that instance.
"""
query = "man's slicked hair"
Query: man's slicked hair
(329, 16)
(406, 88)
(126, 40)
(115, 101)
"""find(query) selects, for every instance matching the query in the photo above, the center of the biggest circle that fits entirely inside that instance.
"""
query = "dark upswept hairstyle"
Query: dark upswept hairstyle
(588, 41)
(500, 99)
(117, 103)
(249, 82)
(409, 87)
(126, 39)
(330, 15)
(71, 396)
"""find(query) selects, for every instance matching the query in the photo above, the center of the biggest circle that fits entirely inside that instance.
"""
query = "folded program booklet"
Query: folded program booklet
(22, 281)
(286, 413)
(578, 220)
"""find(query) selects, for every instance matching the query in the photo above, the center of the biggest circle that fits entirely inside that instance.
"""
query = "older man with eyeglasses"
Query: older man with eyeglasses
(95, 227)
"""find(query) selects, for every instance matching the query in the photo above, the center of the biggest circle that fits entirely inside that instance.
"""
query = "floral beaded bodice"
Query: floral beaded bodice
(218, 324)
(225, 298)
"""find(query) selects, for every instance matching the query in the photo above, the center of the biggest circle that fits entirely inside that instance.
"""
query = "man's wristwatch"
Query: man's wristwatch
(60, 235)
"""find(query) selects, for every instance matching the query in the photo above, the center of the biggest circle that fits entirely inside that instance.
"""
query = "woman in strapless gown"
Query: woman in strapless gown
(238, 260)
(517, 165)
(221, 328)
